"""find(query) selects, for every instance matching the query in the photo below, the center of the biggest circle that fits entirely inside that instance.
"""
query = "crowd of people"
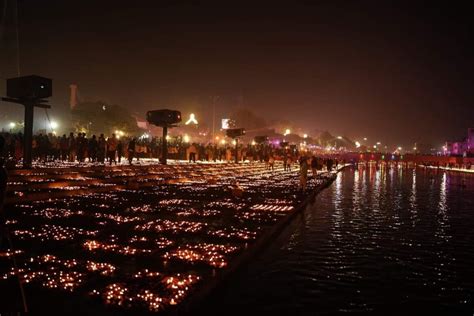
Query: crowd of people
(111, 150)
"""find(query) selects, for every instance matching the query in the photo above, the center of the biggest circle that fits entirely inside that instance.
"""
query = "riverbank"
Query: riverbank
(462, 170)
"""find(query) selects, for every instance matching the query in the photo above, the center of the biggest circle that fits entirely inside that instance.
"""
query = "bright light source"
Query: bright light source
(305, 136)
(378, 143)
(253, 143)
(54, 124)
(375, 146)
(234, 142)
(357, 144)
(217, 137)
(186, 138)
(191, 120)
(12, 124)
(168, 137)
(287, 132)
(399, 148)
(223, 142)
(365, 138)
(339, 137)
(414, 148)
(145, 136)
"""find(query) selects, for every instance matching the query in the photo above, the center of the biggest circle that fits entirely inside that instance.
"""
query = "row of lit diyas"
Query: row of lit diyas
(120, 219)
(55, 273)
(173, 289)
(171, 226)
(53, 232)
(94, 245)
(159, 243)
(210, 254)
(51, 212)
(197, 212)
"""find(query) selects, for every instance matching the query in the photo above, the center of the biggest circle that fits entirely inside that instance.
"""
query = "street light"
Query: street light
(12, 124)
(287, 132)
(305, 136)
(53, 125)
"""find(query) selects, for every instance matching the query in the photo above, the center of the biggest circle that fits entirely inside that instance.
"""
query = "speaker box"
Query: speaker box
(163, 117)
(29, 88)
(235, 132)
(260, 139)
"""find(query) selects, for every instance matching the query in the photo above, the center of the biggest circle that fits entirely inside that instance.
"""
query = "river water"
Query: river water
(377, 241)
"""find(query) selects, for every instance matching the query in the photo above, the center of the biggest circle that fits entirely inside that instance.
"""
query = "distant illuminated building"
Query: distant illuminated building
(461, 147)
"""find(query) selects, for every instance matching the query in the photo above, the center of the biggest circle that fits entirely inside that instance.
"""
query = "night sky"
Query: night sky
(393, 72)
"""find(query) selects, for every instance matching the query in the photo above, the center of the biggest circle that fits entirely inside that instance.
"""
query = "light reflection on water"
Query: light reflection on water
(381, 240)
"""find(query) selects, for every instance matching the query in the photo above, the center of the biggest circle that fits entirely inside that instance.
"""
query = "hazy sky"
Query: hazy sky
(393, 72)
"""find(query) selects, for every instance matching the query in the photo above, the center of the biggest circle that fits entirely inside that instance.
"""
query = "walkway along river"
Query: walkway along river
(388, 240)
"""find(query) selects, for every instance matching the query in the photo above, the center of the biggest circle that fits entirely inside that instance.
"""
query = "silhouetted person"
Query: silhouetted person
(303, 172)
(314, 166)
(93, 147)
(112, 149)
(101, 149)
(64, 147)
(131, 150)
(119, 150)
(329, 164)
(192, 153)
(72, 148)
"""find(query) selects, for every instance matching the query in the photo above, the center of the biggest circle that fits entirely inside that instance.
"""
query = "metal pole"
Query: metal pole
(164, 148)
(213, 118)
(28, 135)
(236, 150)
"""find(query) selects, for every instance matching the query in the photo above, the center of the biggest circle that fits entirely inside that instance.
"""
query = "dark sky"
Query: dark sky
(394, 72)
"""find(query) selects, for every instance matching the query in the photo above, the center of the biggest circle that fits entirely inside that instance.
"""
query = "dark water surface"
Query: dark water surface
(387, 241)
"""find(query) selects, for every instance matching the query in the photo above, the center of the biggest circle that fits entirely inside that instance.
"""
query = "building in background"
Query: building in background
(464, 147)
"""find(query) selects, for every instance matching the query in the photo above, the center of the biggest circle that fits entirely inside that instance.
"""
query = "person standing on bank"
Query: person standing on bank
(131, 150)
(111, 149)
(303, 172)
(314, 166)
(192, 153)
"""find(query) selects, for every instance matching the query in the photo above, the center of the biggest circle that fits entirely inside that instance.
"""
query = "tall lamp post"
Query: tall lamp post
(31, 92)
(214, 99)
